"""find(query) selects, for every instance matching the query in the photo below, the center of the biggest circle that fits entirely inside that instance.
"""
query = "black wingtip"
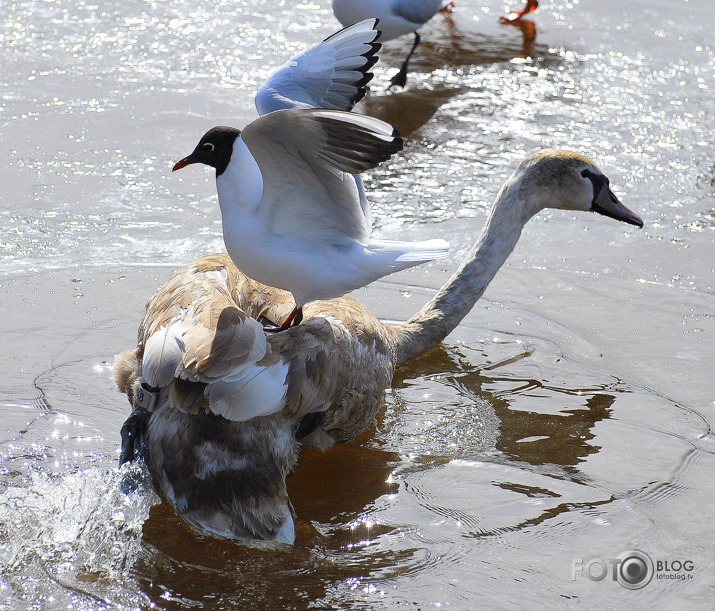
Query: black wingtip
(361, 88)
(371, 58)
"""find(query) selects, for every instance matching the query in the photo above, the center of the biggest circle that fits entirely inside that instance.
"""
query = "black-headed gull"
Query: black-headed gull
(309, 231)
(294, 216)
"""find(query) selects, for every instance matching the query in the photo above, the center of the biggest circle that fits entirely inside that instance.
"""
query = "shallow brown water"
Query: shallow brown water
(569, 417)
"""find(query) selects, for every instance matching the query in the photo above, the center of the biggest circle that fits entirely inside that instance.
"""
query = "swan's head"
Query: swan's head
(554, 178)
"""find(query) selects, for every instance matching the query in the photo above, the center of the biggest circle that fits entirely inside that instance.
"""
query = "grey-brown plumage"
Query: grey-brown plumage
(227, 477)
(235, 406)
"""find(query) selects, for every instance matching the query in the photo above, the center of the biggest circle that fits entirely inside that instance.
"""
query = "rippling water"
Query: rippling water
(569, 417)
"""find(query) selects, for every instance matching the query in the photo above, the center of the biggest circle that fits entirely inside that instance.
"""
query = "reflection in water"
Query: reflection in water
(408, 110)
(181, 567)
(562, 439)
(562, 436)
(491, 466)
(452, 47)
(528, 33)
(336, 487)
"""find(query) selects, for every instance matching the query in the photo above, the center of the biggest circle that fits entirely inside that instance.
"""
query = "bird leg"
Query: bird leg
(293, 320)
(400, 78)
(514, 16)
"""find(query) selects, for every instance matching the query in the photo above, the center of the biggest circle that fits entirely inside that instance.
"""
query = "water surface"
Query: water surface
(569, 417)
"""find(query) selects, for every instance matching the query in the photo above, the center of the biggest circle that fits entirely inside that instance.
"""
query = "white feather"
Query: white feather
(162, 354)
(286, 534)
(260, 392)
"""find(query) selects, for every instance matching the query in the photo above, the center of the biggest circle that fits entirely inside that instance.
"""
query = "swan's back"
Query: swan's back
(322, 382)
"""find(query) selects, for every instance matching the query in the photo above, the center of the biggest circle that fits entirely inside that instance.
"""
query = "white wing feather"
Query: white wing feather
(260, 391)
(240, 392)
(332, 74)
(162, 354)
(306, 158)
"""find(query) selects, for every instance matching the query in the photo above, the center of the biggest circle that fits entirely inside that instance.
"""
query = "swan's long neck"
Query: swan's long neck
(455, 299)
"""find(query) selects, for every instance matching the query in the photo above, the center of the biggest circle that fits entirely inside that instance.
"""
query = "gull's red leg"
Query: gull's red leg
(531, 6)
(293, 319)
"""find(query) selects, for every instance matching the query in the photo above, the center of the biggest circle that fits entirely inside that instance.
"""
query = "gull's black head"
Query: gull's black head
(214, 149)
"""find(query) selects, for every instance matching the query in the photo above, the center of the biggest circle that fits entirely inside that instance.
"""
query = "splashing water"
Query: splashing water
(72, 532)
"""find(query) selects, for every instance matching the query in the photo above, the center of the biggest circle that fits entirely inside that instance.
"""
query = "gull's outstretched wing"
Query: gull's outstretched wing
(306, 158)
(332, 74)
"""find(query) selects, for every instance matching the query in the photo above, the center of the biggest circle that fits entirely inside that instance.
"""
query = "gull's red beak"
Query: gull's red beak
(182, 163)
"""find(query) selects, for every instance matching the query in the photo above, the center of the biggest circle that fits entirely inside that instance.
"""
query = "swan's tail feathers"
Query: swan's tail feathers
(421, 252)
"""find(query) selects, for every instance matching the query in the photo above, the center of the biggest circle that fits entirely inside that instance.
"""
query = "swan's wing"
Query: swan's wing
(341, 359)
(332, 74)
(204, 349)
(193, 328)
(328, 374)
(306, 158)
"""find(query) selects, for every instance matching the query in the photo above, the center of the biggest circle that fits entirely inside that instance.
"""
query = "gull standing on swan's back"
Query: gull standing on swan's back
(231, 409)
(293, 216)
(309, 233)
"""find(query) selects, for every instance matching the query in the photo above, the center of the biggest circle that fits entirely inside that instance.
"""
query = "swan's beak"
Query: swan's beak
(607, 203)
(182, 163)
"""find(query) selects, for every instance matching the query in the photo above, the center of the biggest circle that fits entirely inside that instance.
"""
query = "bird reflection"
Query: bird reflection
(336, 487)
(178, 568)
(528, 34)
(454, 47)
(408, 110)
(562, 437)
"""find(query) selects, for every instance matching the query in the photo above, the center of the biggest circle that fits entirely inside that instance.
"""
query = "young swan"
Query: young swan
(230, 408)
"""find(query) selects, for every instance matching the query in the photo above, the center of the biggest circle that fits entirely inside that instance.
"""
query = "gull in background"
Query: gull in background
(400, 17)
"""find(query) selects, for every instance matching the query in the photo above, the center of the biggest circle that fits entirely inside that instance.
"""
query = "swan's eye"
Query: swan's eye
(596, 179)
(209, 147)
(599, 182)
